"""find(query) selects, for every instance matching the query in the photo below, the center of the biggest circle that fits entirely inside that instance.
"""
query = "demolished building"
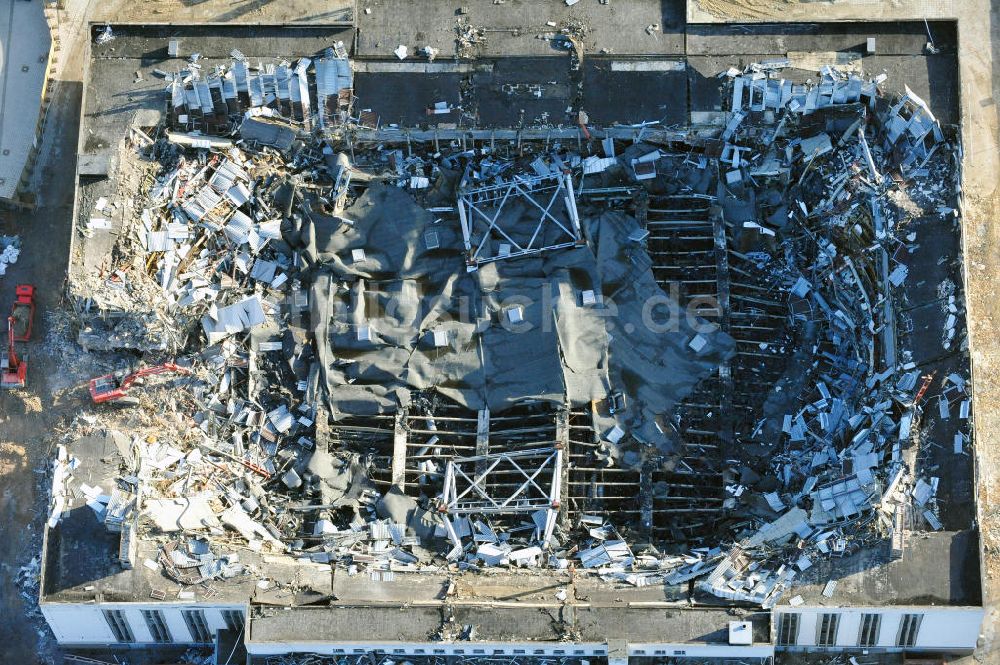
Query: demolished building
(462, 395)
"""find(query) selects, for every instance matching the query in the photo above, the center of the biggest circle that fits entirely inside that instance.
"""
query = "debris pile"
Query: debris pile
(10, 250)
(312, 92)
(105, 35)
(379, 659)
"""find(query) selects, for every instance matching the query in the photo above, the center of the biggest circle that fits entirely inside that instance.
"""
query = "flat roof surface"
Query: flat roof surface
(512, 28)
(625, 85)
(356, 623)
(636, 90)
(937, 568)
(403, 97)
(24, 55)
(896, 38)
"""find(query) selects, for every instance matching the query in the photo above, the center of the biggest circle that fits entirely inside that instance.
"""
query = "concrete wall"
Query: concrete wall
(512, 649)
(950, 629)
(81, 624)
(431, 648)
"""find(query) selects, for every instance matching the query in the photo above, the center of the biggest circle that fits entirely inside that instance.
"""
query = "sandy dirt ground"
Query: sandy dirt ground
(980, 77)
(225, 11)
(29, 421)
(729, 11)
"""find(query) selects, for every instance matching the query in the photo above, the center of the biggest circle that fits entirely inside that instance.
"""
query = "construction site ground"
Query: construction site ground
(30, 420)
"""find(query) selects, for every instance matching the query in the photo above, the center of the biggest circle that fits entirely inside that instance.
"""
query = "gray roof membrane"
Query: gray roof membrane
(404, 313)
(267, 133)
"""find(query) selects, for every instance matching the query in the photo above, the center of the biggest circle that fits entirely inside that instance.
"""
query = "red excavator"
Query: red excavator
(23, 312)
(114, 387)
(13, 370)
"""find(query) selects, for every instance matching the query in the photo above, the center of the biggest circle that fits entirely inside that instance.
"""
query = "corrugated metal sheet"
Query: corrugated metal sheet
(229, 86)
(256, 89)
(281, 77)
(176, 93)
(191, 97)
(242, 74)
(205, 96)
(291, 85)
(238, 228)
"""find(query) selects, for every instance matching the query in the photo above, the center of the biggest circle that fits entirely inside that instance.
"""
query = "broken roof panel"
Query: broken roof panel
(267, 133)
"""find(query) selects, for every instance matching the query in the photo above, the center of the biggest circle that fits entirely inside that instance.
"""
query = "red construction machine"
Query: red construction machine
(23, 312)
(14, 367)
(114, 387)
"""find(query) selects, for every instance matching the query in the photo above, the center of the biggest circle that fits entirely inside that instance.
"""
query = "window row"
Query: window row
(828, 624)
(195, 620)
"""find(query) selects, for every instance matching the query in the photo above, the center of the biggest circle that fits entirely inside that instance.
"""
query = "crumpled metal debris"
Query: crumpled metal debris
(105, 35)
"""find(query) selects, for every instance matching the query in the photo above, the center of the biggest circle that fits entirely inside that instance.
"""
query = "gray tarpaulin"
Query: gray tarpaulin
(394, 309)
(652, 359)
(267, 133)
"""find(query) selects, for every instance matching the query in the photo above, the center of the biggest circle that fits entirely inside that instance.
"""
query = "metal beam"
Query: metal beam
(482, 439)
(726, 425)
(538, 486)
(399, 437)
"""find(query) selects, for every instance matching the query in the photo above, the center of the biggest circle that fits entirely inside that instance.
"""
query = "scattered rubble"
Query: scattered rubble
(105, 35)
(10, 250)
(318, 659)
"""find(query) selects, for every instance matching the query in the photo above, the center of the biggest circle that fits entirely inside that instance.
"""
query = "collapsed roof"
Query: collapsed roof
(459, 356)
(394, 309)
